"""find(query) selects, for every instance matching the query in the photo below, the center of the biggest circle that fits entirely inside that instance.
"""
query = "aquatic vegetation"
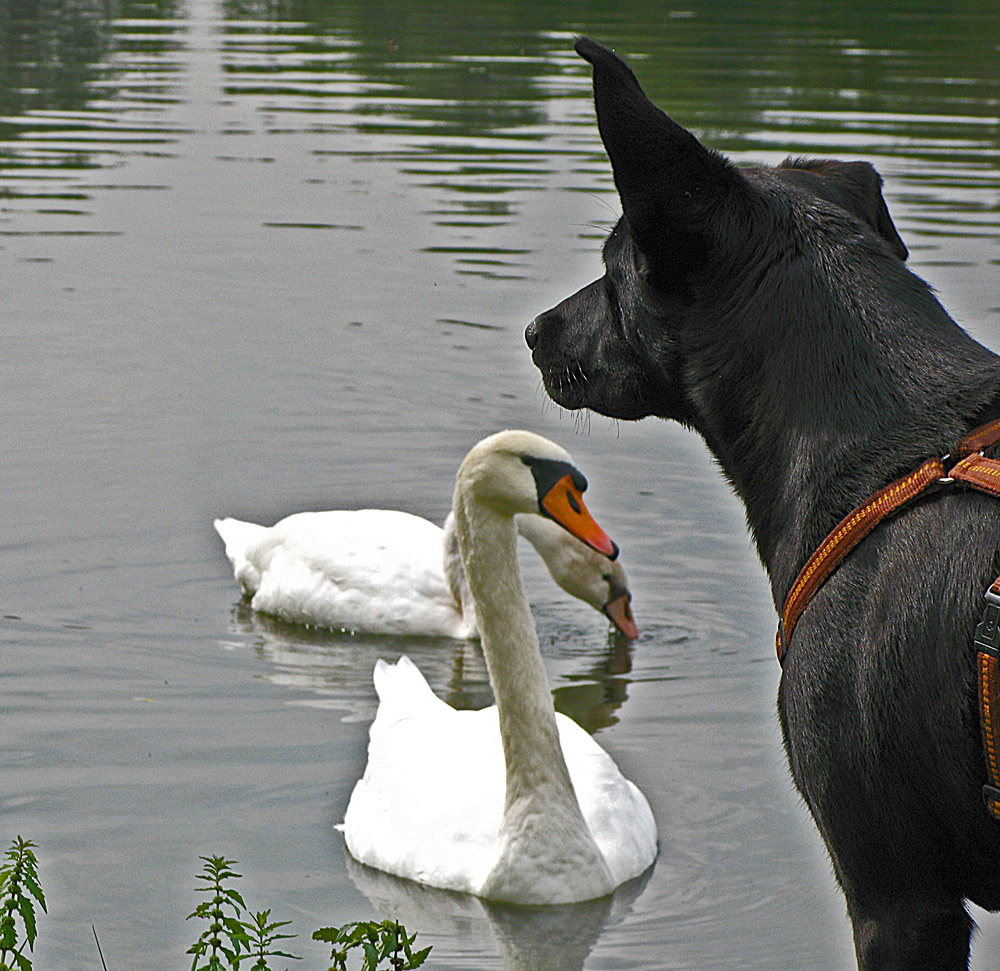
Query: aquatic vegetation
(385, 941)
(19, 892)
(224, 940)
(235, 935)
(235, 939)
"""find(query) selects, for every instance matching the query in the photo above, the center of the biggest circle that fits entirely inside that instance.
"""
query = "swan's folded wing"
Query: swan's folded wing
(616, 811)
(371, 570)
(430, 804)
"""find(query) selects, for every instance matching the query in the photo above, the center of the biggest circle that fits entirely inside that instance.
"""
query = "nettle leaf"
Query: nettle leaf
(415, 960)
(35, 889)
(234, 926)
(27, 912)
(233, 896)
(327, 935)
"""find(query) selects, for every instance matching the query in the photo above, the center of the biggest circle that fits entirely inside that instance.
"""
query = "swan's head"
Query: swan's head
(521, 472)
(603, 584)
(582, 572)
(618, 606)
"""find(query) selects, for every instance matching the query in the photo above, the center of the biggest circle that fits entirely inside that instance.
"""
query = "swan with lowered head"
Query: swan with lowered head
(382, 571)
(512, 803)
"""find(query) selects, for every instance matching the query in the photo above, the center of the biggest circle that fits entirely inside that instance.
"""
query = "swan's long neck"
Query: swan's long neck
(543, 830)
(510, 645)
(454, 574)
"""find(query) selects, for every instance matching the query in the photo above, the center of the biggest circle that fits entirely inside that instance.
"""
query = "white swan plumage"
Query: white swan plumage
(383, 571)
(512, 803)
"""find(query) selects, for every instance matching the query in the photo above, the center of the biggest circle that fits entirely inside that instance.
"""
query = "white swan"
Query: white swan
(512, 803)
(381, 571)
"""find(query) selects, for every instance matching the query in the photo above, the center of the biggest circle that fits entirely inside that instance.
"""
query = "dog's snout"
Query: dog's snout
(531, 334)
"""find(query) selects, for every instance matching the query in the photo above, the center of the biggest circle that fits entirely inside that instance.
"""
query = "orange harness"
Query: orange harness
(966, 466)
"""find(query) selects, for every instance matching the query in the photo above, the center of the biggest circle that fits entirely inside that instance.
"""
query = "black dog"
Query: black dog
(770, 309)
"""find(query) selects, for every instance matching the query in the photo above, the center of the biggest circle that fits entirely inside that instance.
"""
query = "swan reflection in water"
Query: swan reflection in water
(337, 668)
(553, 938)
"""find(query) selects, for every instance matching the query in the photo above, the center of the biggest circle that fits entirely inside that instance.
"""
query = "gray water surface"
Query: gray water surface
(263, 257)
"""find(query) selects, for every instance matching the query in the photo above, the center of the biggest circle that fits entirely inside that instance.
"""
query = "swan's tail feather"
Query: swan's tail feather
(402, 691)
(239, 537)
(399, 682)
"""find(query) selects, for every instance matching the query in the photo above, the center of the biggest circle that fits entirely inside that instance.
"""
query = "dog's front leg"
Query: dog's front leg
(903, 933)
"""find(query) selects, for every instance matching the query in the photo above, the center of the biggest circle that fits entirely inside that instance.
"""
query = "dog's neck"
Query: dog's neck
(818, 424)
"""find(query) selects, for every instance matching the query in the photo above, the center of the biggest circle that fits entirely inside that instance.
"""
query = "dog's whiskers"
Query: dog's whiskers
(571, 378)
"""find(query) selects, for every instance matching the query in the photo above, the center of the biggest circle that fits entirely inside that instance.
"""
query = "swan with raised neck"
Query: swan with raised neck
(544, 838)
(571, 827)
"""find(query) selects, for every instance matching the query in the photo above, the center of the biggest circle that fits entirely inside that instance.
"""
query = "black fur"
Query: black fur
(770, 309)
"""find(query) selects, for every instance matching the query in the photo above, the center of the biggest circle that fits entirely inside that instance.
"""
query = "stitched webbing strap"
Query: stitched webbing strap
(970, 468)
(979, 439)
(988, 677)
(979, 472)
(853, 528)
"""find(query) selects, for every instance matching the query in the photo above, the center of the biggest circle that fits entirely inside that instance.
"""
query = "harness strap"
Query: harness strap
(966, 465)
(988, 677)
(853, 528)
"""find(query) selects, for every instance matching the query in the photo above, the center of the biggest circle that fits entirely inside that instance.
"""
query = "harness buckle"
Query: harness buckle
(950, 462)
(987, 638)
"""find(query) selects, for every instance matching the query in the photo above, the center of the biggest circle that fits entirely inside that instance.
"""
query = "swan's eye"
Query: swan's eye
(548, 472)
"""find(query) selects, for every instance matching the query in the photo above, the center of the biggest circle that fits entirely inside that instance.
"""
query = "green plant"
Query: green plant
(378, 942)
(19, 892)
(262, 934)
(234, 936)
(225, 938)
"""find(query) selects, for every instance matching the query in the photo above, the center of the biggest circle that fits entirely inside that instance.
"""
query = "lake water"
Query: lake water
(268, 256)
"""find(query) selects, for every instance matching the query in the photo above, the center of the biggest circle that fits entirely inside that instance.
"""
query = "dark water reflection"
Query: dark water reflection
(335, 666)
(262, 257)
(528, 938)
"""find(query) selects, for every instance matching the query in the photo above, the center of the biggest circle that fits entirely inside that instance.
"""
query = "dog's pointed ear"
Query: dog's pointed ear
(669, 183)
(854, 186)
